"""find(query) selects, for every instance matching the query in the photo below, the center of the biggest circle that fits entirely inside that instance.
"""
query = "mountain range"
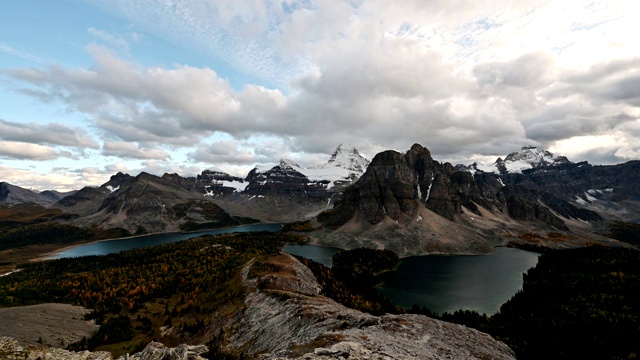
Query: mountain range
(407, 202)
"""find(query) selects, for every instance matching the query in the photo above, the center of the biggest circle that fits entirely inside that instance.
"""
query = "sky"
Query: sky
(90, 88)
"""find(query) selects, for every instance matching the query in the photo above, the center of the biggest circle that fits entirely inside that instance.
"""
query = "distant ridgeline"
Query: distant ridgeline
(404, 201)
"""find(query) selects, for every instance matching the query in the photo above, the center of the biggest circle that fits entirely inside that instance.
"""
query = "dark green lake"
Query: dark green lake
(116, 245)
(318, 254)
(448, 283)
(438, 282)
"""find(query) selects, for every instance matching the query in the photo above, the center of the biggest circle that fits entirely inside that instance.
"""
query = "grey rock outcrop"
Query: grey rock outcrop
(11, 350)
(294, 321)
(158, 351)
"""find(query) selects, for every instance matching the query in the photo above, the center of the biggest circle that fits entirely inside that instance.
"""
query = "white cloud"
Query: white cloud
(116, 41)
(26, 151)
(8, 49)
(53, 134)
(127, 150)
(60, 179)
(463, 78)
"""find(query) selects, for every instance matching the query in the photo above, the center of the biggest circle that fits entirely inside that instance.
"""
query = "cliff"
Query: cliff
(285, 317)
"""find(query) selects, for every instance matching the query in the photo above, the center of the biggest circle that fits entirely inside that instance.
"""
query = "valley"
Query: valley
(179, 278)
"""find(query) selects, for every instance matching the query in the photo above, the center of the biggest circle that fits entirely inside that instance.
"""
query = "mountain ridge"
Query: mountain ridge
(402, 196)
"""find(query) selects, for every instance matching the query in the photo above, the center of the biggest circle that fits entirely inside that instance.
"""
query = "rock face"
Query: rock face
(611, 191)
(156, 350)
(217, 182)
(285, 317)
(291, 320)
(529, 157)
(412, 205)
(11, 194)
(46, 324)
(396, 185)
(10, 350)
(144, 202)
(346, 157)
(285, 179)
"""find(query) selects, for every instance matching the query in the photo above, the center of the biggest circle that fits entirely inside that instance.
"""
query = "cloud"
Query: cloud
(238, 32)
(52, 134)
(132, 103)
(117, 41)
(462, 78)
(127, 150)
(223, 152)
(8, 49)
(59, 178)
(26, 151)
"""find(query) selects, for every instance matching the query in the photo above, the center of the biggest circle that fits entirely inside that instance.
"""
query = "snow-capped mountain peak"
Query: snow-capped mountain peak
(531, 157)
(346, 157)
(287, 163)
(534, 156)
(528, 157)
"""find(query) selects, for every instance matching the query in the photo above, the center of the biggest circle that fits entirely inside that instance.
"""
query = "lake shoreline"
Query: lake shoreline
(50, 255)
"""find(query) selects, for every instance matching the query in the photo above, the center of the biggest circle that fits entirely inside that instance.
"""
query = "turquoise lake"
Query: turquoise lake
(116, 245)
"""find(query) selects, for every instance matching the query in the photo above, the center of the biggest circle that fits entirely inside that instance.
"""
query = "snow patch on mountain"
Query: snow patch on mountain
(529, 157)
(346, 164)
(346, 157)
(113, 189)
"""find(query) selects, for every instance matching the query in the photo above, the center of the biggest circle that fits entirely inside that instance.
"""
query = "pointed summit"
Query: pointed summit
(287, 163)
(346, 157)
(529, 157)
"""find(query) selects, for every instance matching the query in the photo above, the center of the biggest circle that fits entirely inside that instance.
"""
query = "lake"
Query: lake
(448, 283)
(116, 245)
(438, 282)
(318, 254)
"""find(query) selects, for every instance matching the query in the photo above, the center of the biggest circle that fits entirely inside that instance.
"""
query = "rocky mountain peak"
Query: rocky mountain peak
(535, 157)
(287, 163)
(528, 157)
(346, 157)
(118, 179)
(216, 176)
(11, 194)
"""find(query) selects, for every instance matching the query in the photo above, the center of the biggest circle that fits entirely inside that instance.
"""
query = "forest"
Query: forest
(28, 224)
(578, 303)
(134, 293)
(351, 280)
(625, 232)
(575, 304)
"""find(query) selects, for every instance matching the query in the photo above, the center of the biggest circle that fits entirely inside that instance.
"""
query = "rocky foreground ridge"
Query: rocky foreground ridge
(283, 316)
(11, 350)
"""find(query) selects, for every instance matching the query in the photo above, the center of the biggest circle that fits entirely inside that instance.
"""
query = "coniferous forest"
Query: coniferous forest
(579, 303)
(575, 304)
(134, 293)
